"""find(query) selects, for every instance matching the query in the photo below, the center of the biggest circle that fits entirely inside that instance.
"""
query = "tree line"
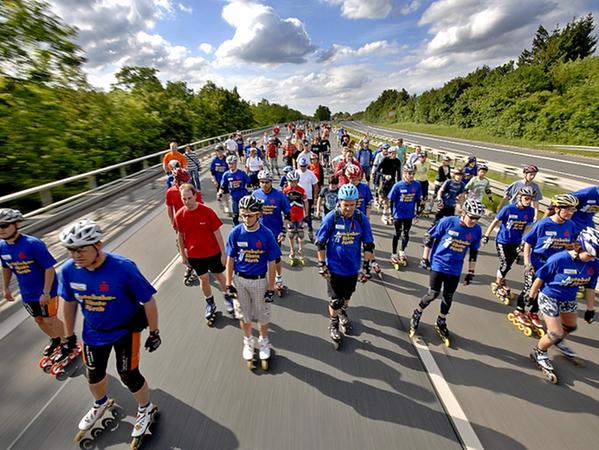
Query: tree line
(549, 95)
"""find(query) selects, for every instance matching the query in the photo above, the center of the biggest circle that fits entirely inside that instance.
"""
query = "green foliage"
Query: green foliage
(550, 97)
(322, 113)
(266, 113)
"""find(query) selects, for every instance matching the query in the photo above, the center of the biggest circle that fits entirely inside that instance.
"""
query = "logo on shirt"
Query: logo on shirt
(78, 286)
(242, 244)
(570, 271)
(104, 287)
(590, 271)
(566, 233)
(550, 233)
(258, 244)
(453, 233)
(468, 236)
(340, 227)
(22, 255)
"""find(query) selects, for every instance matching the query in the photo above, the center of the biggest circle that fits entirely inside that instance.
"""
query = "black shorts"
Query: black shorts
(203, 265)
(35, 309)
(341, 286)
(126, 350)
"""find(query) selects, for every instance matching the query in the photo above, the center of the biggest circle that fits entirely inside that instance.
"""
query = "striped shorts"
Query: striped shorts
(249, 304)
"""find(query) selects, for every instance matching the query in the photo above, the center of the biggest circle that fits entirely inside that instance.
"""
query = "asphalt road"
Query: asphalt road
(373, 394)
(575, 167)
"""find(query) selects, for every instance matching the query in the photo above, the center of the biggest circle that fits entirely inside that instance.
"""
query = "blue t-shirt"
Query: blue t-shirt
(28, 258)
(344, 238)
(512, 190)
(282, 181)
(109, 296)
(275, 204)
(452, 239)
(252, 250)
(547, 238)
(451, 189)
(235, 183)
(470, 172)
(513, 222)
(218, 166)
(404, 197)
(588, 206)
(562, 276)
(364, 197)
(364, 157)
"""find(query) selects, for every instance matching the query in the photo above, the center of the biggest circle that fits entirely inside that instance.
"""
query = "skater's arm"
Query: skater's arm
(69, 310)
(171, 217)
(534, 289)
(272, 271)
(6, 276)
(152, 314)
(526, 253)
(535, 205)
(502, 202)
(182, 250)
(229, 272)
(49, 275)
(491, 227)
(221, 244)
(589, 296)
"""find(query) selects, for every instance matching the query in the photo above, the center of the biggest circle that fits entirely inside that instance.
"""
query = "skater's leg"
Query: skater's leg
(205, 285)
(45, 315)
(435, 283)
(243, 304)
(555, 333)
(398, 230)
(127, 350)
(405, 233)
(95, 359)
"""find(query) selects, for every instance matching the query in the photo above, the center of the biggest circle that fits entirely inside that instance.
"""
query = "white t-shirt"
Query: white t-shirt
(306, 180)
(231, 145)
(253, 163)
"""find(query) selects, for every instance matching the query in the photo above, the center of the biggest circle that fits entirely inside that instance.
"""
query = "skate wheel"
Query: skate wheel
(511, 317)
(527, 332)
(86, 444)
(447, 342)
(264, 364)
(505, 301)
(95, 432)
(79, 435)
(134, 443)
(540, 332)
(250, 365)
(520, 326)
(47, 368)
(61, 376)
(551, 377)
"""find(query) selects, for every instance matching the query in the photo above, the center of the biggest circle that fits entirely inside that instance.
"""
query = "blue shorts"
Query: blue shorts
(551, 307)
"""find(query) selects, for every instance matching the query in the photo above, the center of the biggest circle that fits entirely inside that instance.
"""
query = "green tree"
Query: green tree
(322, 113)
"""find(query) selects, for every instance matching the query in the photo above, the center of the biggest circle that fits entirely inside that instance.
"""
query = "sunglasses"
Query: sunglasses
(473, 217)
(247, 216)
(4, 226)
(265, 181)
(77, 249)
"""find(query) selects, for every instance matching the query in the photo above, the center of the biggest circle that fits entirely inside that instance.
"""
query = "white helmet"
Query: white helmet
(231, 159)
(79, 234)
(173, 164)
(8, 215)
(473, 207)
(589, 241)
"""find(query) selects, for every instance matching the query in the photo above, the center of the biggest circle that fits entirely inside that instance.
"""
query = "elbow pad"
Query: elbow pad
(368, 247)
(320, 245)
(428, 240)
(473, 255)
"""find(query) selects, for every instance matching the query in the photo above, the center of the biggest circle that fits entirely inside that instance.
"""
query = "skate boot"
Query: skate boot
(442, 331)
(537, 324)
(293, 261)
(334, 332)
(89, 420)
(210, 311)
(403, 260)
(143, 421)
(280, 288)
(311, 235)
(395, 261)
(569, 353)
(190, 278)
(248, 352)
(502, 292)
(376, 268)
(521, 321)
(300, 256)
(264, 352)
(229, 306)
(414, 322)
(61, 361)
(344, 323)
(542, 360)
(51, 350)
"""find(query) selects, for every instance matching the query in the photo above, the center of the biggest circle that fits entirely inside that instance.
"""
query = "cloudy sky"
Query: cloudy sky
(340, 53)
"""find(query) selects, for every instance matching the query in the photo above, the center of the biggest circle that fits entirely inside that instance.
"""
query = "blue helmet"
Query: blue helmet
(589, 241)
(287, 169)
(348, 192)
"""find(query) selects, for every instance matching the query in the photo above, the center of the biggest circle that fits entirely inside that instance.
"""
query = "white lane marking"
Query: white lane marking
(450, 402)
(158, 281)
(548, 158)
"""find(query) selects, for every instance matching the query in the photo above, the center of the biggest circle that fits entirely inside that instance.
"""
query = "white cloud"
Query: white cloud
(363, 9)
(338, 52)
(261, 36)
(206, 48)
(410, 7)
(185, 9)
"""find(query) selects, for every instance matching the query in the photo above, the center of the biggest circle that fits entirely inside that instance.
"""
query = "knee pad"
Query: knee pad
(555, 338)
(569, 328)
(336, 303)
(429, 297)
(133, 379)
(94, 376)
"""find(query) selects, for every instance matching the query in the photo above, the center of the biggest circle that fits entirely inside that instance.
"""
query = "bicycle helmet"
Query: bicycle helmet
(531, 168)
(564, 201)
(219, 147)
(589, 241)
(292, 176)
(352, 171)
(457, 171)
(253, 143)
(250, 203)
(303, 162)
(276, 130)
(526, 191)
(471, 159)
(386, 146)
(265, 175)
(79, 234)
(231, 159)
(348, 192)
(483, 167)
(287, 169)
(182, 175)
(409, 168)
(173, 164)
(8, 215)
(473, 207)
(446, 158)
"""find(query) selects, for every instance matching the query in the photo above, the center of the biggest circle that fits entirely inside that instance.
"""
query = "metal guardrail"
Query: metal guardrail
(44, 189)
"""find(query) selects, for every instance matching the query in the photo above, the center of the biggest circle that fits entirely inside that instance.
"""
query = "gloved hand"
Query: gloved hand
(153, 341)
(230, 290)
(589, 315)
(485, 239)
(323, 270)
(269, 296)
(425, 264)
(469, 277)
(365, 275)
(529, 270)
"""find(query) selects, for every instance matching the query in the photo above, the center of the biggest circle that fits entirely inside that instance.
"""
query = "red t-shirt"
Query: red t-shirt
(173, 198)
(271, 150)
(198, 227)
(296, 196)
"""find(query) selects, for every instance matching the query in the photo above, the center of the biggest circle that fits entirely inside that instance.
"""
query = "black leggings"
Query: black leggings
(507, 255)
(402, 231)
(445, 212)
(438, 281)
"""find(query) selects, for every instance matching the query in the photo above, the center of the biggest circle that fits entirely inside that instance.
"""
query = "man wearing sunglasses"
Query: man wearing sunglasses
(445, 247)
(28, 258)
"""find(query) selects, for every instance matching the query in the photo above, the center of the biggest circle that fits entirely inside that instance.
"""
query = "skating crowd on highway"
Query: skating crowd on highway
(276, 189)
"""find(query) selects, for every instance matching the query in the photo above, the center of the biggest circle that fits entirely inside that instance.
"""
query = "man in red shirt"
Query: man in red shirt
(201, 246)
(173, 196)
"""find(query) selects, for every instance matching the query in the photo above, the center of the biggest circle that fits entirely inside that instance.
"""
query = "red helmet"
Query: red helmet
(531, 168)
(352, 171)
(181, 175)
(276, 130)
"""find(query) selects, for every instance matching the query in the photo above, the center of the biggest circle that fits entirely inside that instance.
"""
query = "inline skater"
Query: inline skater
(173, 165)
(339, 239)
(201, 247)
(400, 150)
(231, 145)
(413, 157)
(173, 154)
(28, 258)
(218, 166)
(317, 169)
(253, 165)
(514, 219)
(365, 158)
(327, 197)
(557, 283)
(325, 151)
(470, 168)
(283, 180)
(511, 192)
(389, 171)
(240, 146)
(449, 194)
(251, 254)
(234, 183)
(348, 158)
(172, 198)
(480, 185)
(354, 174)
(290, 152)
(309, 183)
(193, 167)
(272, 152)
(405, 198)
(443, 174)
(296, 196)
(548, 236)
(445, 248)
(422, 167)
(588, 206)
(117, 303)
(275, 208)
(376, 175)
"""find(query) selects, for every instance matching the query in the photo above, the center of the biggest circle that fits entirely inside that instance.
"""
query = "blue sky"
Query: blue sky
(339, 53)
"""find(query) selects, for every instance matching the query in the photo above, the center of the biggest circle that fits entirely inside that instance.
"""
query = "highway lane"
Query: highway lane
(373, 394)
(576, 167)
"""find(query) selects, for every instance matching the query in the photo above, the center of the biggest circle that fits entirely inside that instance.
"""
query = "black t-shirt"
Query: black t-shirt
(315, 148)
(325, 146)
(390, 166)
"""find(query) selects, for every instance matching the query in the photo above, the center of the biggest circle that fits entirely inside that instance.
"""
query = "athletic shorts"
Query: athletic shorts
(249, 303)
(126, 350)
(35, 309)
(341, 286)
(551, 307)
(211, 264)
